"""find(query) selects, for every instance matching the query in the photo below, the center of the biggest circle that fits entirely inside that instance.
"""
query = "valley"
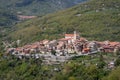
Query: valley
(59, 40)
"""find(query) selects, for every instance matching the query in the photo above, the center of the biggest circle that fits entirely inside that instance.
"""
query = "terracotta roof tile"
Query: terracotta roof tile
(70, 35)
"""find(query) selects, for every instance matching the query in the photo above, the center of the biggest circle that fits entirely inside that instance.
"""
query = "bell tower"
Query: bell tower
(75, 35)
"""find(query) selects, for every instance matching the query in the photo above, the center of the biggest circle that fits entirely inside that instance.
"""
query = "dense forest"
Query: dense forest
(37, 7)
(7, 18)
(95, 20)
(93, 67)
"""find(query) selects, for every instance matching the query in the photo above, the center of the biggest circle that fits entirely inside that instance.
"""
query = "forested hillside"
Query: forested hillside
(7, 18)
(95, 20)
(9, 9)
(78, 68)
(37, 7)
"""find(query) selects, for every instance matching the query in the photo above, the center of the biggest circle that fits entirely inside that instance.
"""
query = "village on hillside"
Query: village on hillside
(65, 48)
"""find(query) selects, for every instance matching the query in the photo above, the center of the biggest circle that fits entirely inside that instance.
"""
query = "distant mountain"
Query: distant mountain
(95, 20)
(37, 7)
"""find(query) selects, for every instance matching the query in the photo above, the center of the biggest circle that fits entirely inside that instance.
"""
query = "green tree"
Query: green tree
(117, 62)
(114, 75)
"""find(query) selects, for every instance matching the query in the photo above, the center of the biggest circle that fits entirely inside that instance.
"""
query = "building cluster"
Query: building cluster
(71, 43)
(22, 17)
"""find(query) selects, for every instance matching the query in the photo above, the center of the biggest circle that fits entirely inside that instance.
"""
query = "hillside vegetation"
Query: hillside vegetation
(95, 20)
(37, 7)
(77, 68)
(12, 68)
(7, 18)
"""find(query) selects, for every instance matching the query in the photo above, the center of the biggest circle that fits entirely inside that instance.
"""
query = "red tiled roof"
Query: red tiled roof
(83, 39)
(107, 47)
(34, 46)
(27, 46)
(69, 35)
(45, 41)
(86, 49)
(64, 39)
(18, 49)
(26, 17)
(114, 43)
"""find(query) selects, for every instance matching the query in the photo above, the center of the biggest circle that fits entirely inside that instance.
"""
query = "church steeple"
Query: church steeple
(75, 35)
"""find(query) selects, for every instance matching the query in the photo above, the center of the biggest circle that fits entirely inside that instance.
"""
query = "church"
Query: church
(73, 37)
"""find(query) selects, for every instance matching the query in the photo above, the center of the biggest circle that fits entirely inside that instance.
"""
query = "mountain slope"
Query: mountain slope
(37, 7)
(7, 18)
(99, 20)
